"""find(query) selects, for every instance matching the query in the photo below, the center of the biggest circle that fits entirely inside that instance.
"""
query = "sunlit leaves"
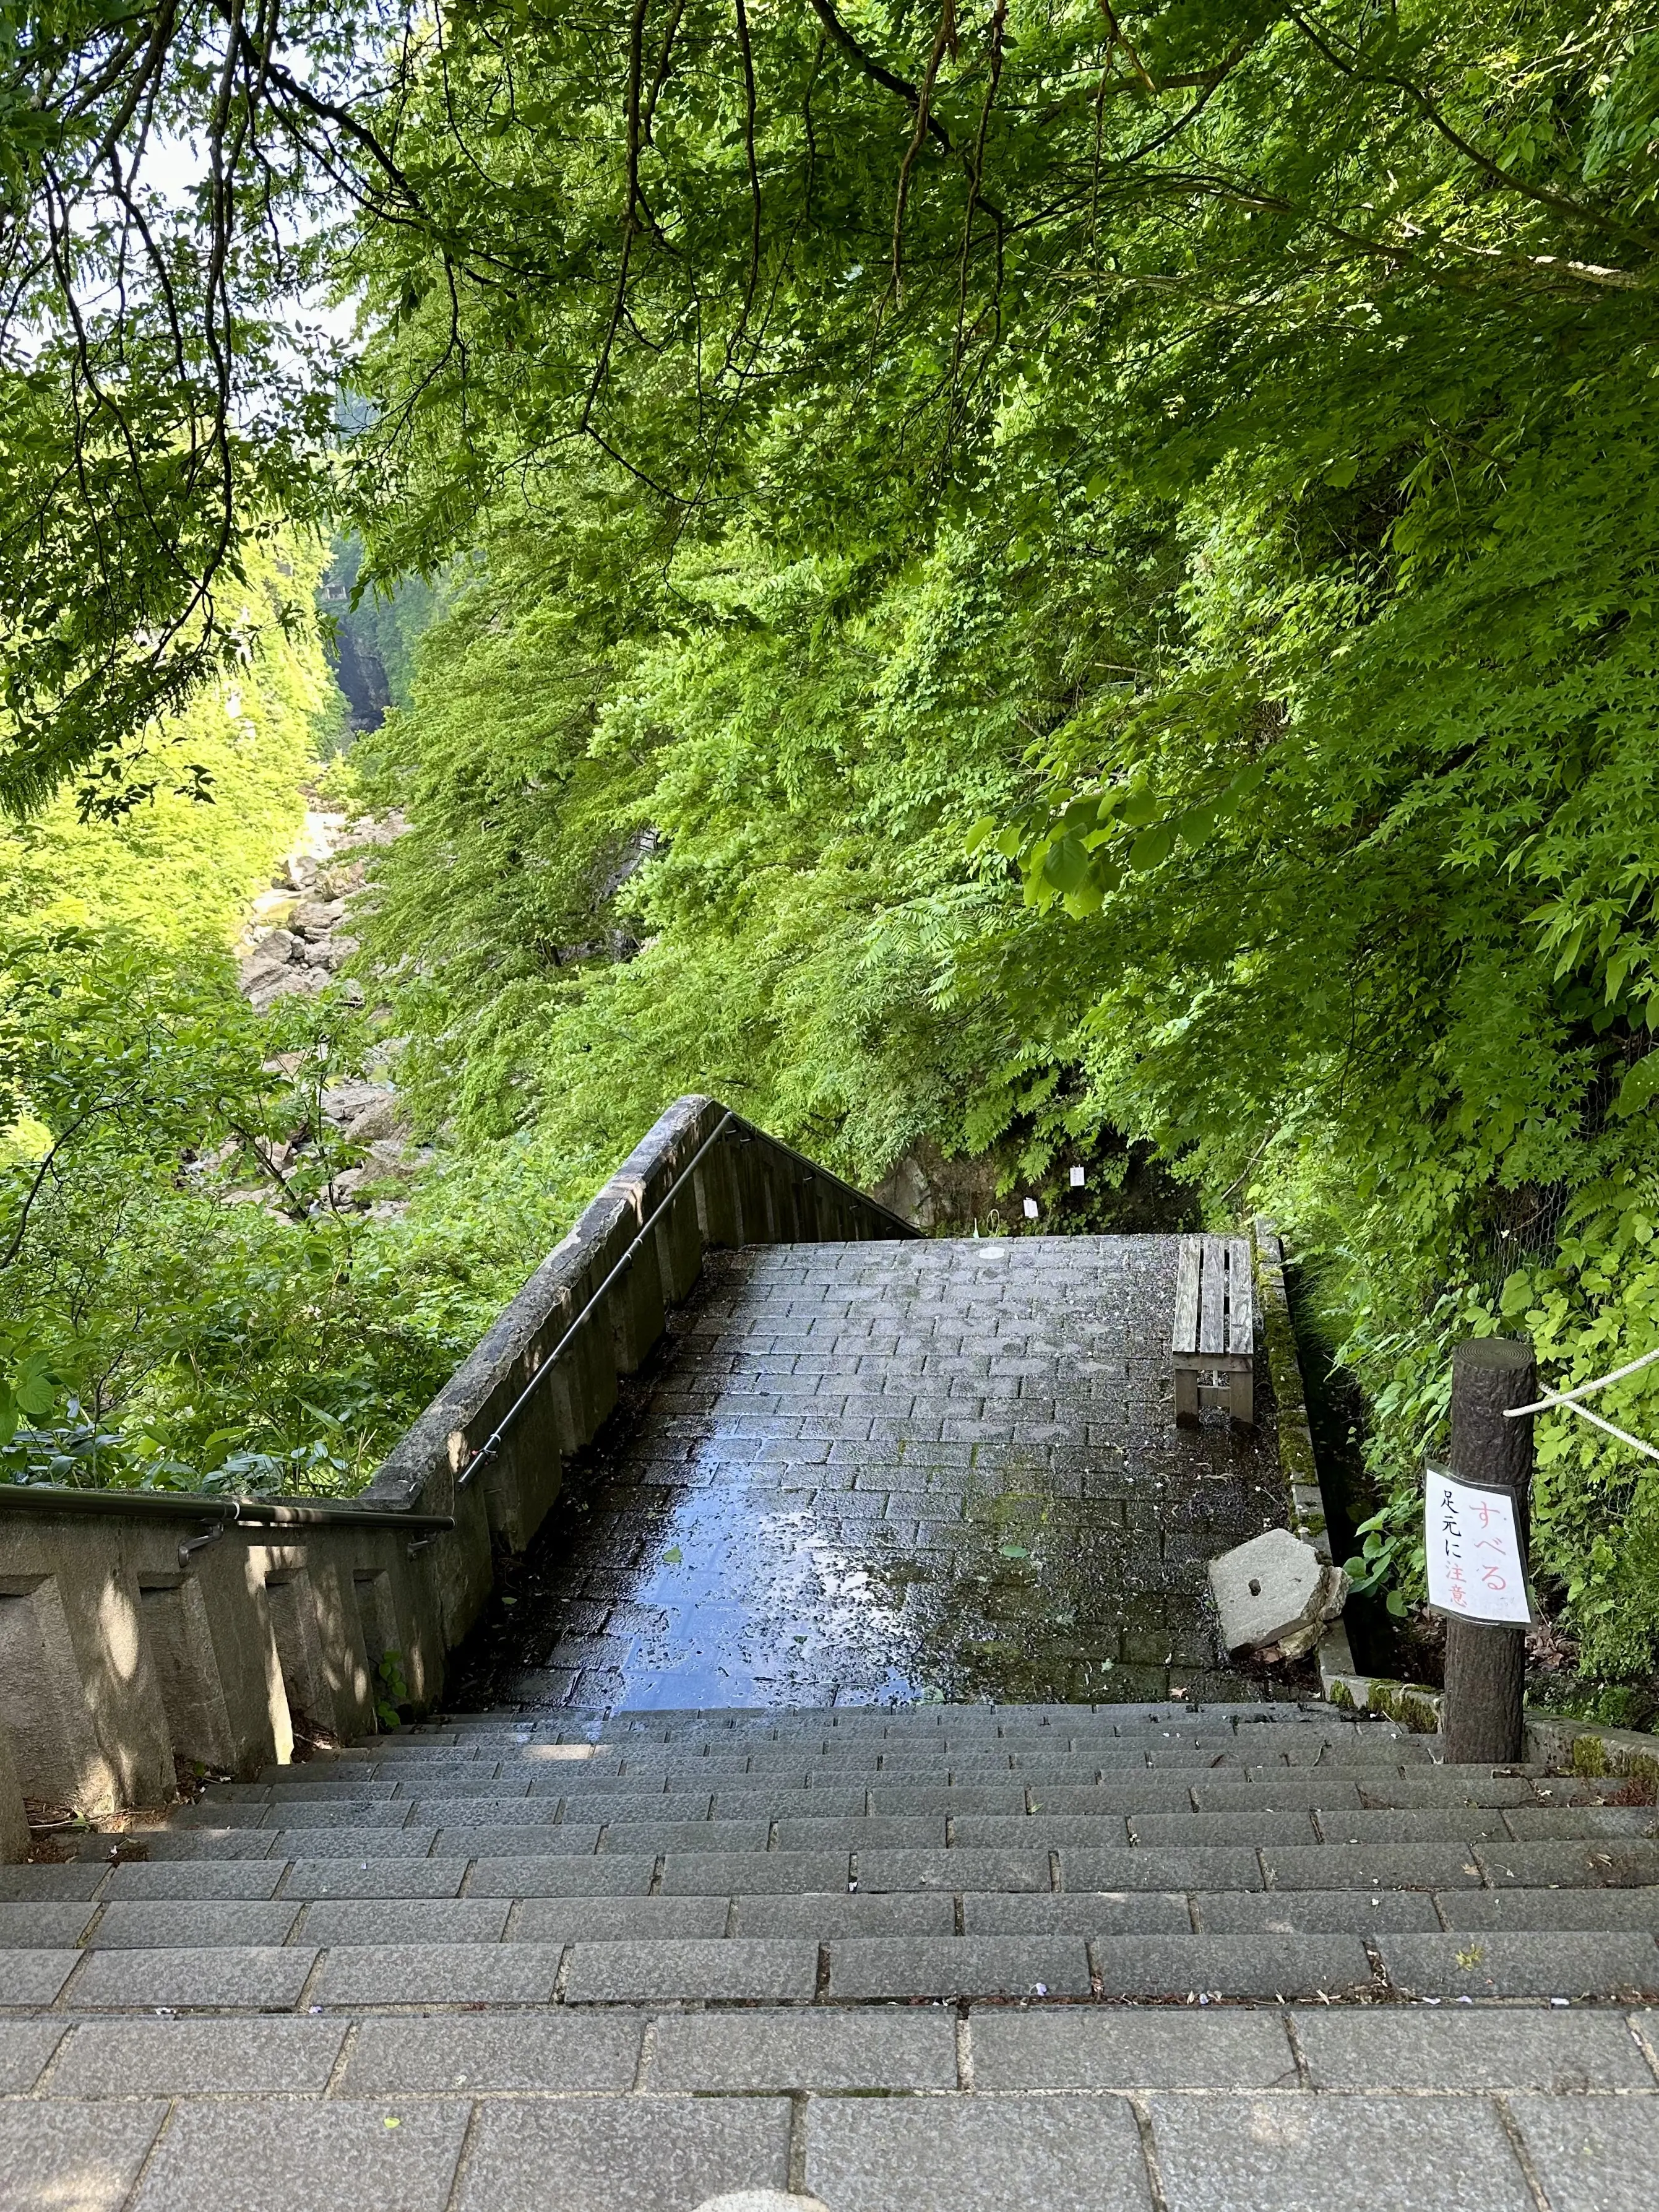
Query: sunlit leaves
(1640, 1085)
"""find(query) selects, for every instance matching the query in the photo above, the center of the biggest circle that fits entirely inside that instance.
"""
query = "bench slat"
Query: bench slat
(1186, 1301)
(1241, 1297)
(1212, 1296)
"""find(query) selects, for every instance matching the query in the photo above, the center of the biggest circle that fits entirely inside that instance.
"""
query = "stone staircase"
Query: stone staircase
(907, 1920)
(947, 1956)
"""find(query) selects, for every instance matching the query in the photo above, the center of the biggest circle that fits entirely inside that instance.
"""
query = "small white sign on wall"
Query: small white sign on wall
(1476, 1571)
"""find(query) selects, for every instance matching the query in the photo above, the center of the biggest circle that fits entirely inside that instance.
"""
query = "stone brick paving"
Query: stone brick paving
(874, 1472)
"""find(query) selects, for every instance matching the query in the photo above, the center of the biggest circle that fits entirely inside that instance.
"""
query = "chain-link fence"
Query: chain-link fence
(1522, 1226)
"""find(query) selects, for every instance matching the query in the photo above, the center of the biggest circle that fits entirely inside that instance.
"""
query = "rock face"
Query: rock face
(1274, 1596)
(297, 938)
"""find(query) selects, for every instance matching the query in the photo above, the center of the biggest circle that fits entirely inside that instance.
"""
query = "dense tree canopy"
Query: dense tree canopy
(1050, 573)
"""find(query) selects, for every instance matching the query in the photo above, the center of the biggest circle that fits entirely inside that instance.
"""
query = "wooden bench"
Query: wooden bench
(1214, 1344)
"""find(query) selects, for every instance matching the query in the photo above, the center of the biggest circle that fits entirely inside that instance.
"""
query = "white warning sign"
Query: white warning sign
(1476, 1571)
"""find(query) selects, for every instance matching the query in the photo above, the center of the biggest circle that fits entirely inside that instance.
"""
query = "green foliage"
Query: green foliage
(390, 1690)
(1136, 612)
(182, 1306)
(1020, 579)
(787, 932)
(165, 396)
(178, 868)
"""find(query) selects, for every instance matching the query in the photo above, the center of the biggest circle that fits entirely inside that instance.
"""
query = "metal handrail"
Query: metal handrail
(278, 1512)
(492, 1443)
(200, 1506)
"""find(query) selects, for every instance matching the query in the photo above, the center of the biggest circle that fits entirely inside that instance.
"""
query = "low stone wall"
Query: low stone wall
(140, 1629)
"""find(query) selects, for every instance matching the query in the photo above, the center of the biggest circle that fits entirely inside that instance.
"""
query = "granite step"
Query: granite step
(170, 1904)
(572, 1968)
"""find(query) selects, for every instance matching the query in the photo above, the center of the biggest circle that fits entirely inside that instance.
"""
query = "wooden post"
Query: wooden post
(1480, 1718)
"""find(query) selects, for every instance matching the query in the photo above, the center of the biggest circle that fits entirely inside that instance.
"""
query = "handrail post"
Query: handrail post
(1480, 1720)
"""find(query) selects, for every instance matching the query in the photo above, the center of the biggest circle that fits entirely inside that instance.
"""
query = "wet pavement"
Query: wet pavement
(867, 1473)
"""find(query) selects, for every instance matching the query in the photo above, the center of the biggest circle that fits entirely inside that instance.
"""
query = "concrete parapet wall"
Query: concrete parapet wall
(138, 1629)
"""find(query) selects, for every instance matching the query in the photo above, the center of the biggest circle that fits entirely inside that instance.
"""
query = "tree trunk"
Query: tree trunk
(1480, 1721)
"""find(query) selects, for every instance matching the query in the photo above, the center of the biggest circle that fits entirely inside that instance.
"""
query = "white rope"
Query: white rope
(1623, 1435)
(1567, 1400)
(1582, 1390)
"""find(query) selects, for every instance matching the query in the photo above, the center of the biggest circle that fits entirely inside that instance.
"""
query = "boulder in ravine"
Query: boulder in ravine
(314, 918)
(363, 1111)
(295, 982)
(272, 954)
(382, 1119)
(343, 1103)
(372, 830)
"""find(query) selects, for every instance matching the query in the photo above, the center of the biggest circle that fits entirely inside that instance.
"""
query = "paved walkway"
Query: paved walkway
(1077, 1954)
(870, 1472)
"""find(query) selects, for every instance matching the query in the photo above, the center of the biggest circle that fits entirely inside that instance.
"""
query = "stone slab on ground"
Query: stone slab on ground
(1264, 1965)
(658, 2154)
(67, 2156)
(276, 2153)
(33, 1884)
(1066, 2154)
(548, 2056)
(439, 1973)
(34, 1977)
(947, 1966)
(1275, 1590)
(1543, 1909)
(42, 1926)
(809, 2048)
(309, 1879)
(405, 1920)
(617, 1874)
(1086, 1912)
(909, 1912)
(1308, 2153)
(144, 1881)
(622, 1919)
(221, 1975)
(194, 2058)
(1363, 1912)
(1506, 1963)
(643, 1973)
(176, 1923)
(25, 2047)
(1131, 2050)
(1592, 2156)
(1568, 2053)
(707, 1874)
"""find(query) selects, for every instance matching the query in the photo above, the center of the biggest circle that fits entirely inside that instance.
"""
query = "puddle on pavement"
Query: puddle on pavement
(713, 1550)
